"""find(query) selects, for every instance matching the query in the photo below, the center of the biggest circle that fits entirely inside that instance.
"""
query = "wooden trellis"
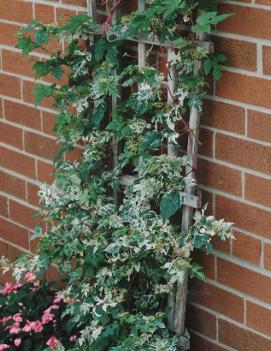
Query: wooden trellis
(191, 201)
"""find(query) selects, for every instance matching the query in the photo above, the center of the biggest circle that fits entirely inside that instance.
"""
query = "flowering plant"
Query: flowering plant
(31, 317)
(121, 246)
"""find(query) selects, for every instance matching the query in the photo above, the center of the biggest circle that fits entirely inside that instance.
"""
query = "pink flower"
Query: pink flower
(73, 338)
(8, 288)
(4, 320)
(27, 327)
(17, 317)
(4, 347)
(47, 317)
(36, 326)
(15, 328)
(30, 277)
(52, 342)
(17, 342)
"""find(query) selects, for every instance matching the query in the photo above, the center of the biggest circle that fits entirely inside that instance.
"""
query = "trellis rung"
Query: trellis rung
(144, 39)
(189, 200)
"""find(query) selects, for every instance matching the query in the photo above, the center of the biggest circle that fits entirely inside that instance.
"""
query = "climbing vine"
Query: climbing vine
(121, 258)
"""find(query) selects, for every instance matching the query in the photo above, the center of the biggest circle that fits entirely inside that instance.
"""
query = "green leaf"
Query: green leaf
(196, 271)
(43, 91)
(42, 36)
(98, 113)
(170, 204)
(152, 141)
(25, 44)
(181, 42)
(207, 20)
(100, 49)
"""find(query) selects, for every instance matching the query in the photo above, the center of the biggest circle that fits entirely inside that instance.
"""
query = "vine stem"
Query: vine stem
(108, 22)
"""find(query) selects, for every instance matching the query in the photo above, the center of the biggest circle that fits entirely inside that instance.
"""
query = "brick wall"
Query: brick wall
(232, 310)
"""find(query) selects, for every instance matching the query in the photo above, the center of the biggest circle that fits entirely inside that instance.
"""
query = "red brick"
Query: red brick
(243, 153)
(242, 88)
(1, 109)
(210, 296)
(10, 86)
(267, 256)
(16, 10)
(12, 185)
(263, 2)
(22, 114)
(22, 214)
(200, 344)
(48, 123)
(244, 280)
(74, 155)
(45, 172)
(206, 142)
(242, 339)
(219, 177)
(248, 21)
(244, 216)
(40, 145)
(224, 116)
(221, 245)
(207, 199)
(11, 135)
(258, 190)
(8, 34)
(259, 125)
(4, 252)
(54, 275)
(32, 194)
(13, 233)
(14, 253)
(247, 248)
(44, 13)
(259, 318)
(3, 206)
(75, 2)
(17, 162)
(201, 321)
(266, 59)
(207, 262)
(63, 15)
(240, 54)
(15, 62)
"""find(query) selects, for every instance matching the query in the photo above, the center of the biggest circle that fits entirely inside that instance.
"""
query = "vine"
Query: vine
(121, 260)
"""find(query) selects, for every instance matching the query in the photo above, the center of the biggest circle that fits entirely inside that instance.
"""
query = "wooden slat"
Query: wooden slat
(141, 45)
(154, 41)
(192, 153)
(91, 7)
(115, 101)
(172, 150)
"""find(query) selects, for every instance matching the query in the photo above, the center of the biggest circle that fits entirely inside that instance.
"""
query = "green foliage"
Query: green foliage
(213, 65)
(121, 259)
(207, 19)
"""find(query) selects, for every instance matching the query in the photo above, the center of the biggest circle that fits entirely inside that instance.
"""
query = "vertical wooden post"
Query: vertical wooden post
(171, 151)
(141, 46)
(91, 7)
(192, 153)
(114, 103)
